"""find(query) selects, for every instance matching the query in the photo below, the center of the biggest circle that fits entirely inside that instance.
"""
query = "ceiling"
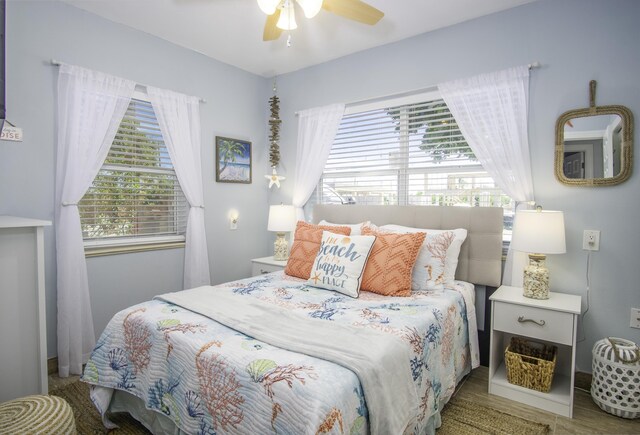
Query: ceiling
(231, 30)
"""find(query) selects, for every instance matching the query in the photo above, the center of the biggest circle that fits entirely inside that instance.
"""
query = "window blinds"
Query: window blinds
(410, 154)
(136, 193)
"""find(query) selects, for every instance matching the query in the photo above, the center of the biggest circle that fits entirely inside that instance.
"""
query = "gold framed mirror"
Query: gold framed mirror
(594, 145)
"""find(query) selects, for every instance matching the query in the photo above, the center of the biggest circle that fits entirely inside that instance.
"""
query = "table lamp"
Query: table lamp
(538, 232)
(282, 219)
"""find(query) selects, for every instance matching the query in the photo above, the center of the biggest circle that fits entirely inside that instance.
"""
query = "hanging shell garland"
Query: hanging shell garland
(274, 137)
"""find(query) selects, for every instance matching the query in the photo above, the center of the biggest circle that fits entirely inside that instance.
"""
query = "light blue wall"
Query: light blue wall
(40, 30)
(576, 41)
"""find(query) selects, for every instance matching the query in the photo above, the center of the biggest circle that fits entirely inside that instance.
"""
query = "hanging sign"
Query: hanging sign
(11, 132)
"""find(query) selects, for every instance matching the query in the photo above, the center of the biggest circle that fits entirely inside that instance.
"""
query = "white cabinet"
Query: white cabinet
(552, 321)
(23, 341)
(264, 265)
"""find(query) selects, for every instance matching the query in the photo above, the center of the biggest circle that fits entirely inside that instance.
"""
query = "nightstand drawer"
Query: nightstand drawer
(260, 268)
(543, 324)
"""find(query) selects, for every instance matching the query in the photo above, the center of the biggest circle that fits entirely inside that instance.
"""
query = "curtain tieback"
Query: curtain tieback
(69, 204)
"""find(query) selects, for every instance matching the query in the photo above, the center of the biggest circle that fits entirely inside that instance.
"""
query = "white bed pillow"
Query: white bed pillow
(340, 263)
(437, 260)
(356, 229)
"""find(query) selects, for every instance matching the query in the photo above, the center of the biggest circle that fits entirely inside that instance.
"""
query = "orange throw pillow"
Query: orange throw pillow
(388, 271)
(306, 245)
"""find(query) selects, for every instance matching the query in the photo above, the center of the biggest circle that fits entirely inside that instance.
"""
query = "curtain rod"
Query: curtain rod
(56, 62)
(532, 65)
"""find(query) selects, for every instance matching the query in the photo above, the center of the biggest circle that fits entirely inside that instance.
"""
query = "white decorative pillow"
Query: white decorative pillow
(340, 262)
(438, 258)
(356, 229)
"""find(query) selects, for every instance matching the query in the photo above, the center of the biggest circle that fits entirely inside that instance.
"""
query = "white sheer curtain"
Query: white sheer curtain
(317, 129)
(179, 119)
(90, 107)
(491, 111)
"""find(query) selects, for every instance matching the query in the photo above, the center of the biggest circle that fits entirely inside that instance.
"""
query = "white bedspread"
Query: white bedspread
(374, 357)
(207, 378)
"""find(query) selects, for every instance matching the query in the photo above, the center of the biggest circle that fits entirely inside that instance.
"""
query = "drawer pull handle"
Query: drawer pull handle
(521, 319)
(264, 272)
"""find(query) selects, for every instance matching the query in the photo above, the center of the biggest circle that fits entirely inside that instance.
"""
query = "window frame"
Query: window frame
(404, 171)
(121, 245)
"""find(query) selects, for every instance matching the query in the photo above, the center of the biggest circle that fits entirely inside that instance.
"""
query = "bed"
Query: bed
(264, 365)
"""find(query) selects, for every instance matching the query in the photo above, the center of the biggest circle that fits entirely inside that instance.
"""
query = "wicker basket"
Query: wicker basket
(616, 377)
(530, 364)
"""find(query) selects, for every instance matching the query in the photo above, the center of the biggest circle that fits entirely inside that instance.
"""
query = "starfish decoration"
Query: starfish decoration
(316, 277)
(274, 178)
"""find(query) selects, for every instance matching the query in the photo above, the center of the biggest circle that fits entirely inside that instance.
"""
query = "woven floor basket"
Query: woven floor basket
(530, 364)
(616, 377)
(37, 415)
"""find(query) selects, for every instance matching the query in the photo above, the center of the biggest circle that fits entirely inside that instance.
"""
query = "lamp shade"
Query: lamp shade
(540, 232)
(310, 7)
(287, 20)
(268, 6)
(282, 218)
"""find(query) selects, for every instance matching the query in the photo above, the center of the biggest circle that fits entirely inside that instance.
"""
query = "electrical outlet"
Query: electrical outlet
(635, 318)
(591, 240)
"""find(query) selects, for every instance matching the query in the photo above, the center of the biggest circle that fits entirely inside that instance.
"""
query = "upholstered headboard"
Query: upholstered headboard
(481, 254)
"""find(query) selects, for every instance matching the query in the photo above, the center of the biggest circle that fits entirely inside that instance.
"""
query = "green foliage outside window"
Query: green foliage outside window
(438, 128)
(123, 201)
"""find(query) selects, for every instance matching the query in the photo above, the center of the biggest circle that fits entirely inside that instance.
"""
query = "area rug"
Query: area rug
(460, 417)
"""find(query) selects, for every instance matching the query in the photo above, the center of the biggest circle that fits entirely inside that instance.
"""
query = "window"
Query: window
(410, 153)
(135, 199)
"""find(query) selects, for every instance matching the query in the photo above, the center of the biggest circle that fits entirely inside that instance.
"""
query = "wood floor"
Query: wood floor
(587, 417)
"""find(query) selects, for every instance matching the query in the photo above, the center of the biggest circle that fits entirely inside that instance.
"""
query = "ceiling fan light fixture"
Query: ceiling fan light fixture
(287, 19)
(310, 7)
(268, 6)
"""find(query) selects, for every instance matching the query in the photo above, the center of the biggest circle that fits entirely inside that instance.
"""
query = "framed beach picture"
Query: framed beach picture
(233, 160)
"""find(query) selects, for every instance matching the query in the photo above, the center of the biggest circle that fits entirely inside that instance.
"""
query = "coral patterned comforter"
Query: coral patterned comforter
(210, 379)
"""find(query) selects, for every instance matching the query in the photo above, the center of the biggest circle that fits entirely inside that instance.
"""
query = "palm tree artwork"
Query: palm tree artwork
(229, 149)
(233, 159)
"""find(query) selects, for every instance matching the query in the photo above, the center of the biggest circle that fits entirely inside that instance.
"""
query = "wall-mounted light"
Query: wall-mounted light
(233, 219)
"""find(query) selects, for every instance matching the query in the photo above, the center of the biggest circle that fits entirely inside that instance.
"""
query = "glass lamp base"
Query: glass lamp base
(280, 248)
(536, 278)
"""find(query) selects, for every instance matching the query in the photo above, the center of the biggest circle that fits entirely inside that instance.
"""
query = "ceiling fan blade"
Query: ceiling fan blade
(271, 32)
(354, 10)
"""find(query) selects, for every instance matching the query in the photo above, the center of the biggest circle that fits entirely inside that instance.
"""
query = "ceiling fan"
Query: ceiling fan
(281, 13)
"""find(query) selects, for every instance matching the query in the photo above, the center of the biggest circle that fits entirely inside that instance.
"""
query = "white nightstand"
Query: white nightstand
(264, 265)
(553, 321)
